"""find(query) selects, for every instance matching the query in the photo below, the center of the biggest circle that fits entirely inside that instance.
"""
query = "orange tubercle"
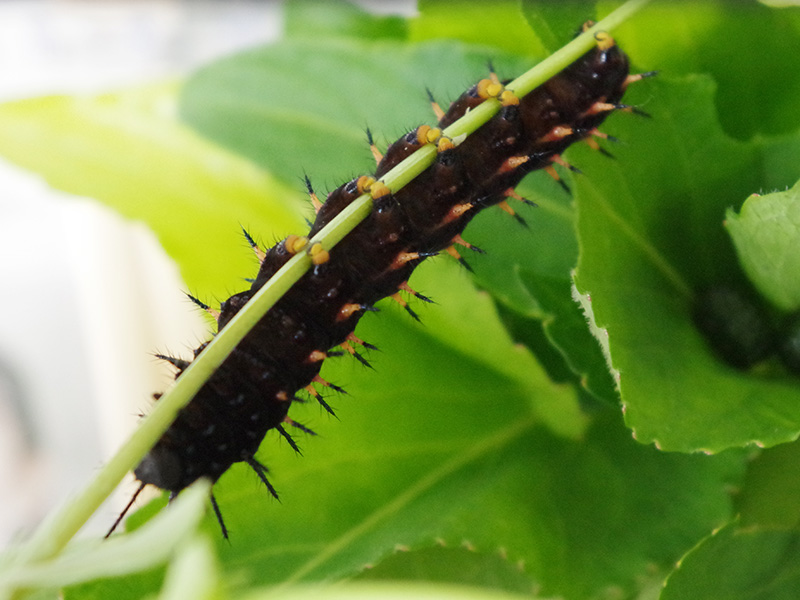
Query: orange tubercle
(402, 258)
(599, 107)
(559, 132)
(316, 356)
(347, 311)
(456, 212)
(295, 243)
(512, 163)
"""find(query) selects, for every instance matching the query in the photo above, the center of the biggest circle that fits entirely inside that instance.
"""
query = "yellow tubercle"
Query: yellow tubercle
(433, 134)
(363, 183)
(295, 243)
(444, 143)
(378, 190)
(604, 41)
(483, 88)
(318, 254)
(422, 134)
(509, 98)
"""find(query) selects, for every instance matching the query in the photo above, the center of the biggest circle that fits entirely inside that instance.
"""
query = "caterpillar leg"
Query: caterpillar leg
(550, 170)
(634, 77)
(260, 254)
(218, 514)
(125, 510)
(592, 142)
(462, 242)
(352, 352)
(318, 397)
(299, 426)
(288, 438)
(512, 193)
(328, 384)
(315, 201)
(560, 161)
(399, 299)
(506, 207)
(212, 311)
(406, 288)
(437, 109)
(178, 363)
(376, 154)
(352, 338)
(261, 471)
(451, 250)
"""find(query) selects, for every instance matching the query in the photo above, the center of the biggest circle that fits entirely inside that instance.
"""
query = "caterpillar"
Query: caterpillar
(253, 390)
(741, 331)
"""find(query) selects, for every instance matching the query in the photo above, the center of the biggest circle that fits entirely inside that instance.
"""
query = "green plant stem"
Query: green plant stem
(54, 534)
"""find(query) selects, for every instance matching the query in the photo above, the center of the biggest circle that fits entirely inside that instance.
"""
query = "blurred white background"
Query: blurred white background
(80, 321)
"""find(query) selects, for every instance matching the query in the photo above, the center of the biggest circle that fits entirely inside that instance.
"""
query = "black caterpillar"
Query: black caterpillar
(742, 331)
(254, 388)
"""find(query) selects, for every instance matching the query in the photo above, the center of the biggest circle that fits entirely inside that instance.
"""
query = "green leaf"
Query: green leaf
(528, 269)
(747, 48)
(303, 106)
(739, 564)
(314, 18)
(152, 545)
(524, 492)
(421, 468)
(500, 24)
(770, 494)
(194, 574)
(470, 328)
(460, 436)
(387, 591)
(464, 565)
(455, 452)
(545, 247)
(766, 233)
(556, 23)
(567, 330)
(127, 149)
(651, 235)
